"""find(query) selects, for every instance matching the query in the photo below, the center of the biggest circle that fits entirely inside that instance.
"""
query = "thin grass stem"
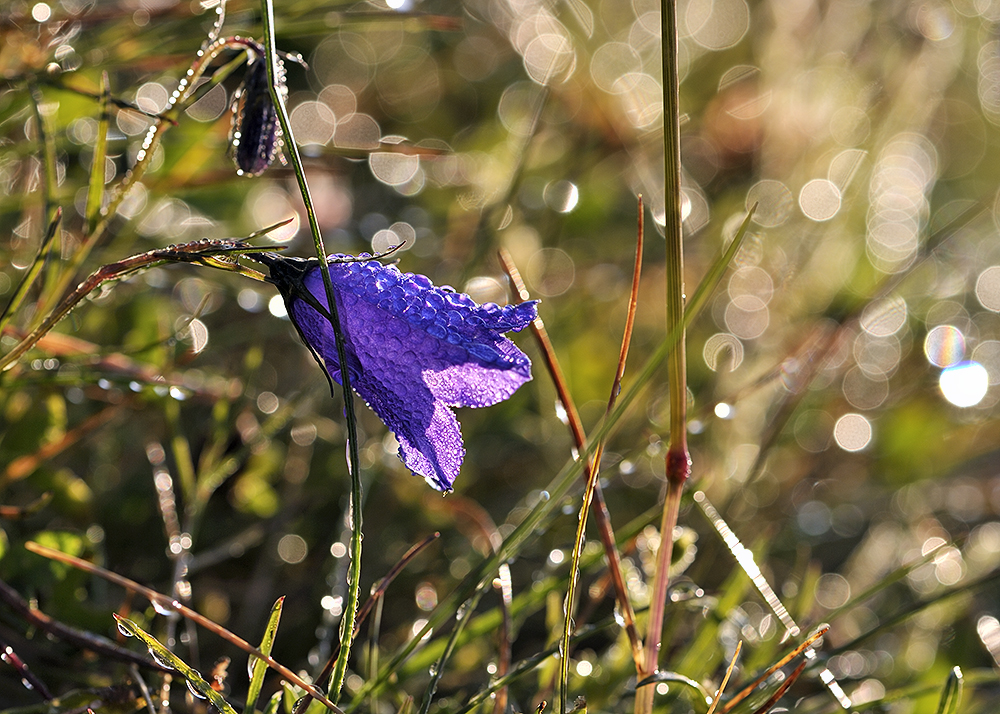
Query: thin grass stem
(353, 457)
(678, 460)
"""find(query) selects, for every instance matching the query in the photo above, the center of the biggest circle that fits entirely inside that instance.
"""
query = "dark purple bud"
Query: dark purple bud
(256, 135)
(414, 351)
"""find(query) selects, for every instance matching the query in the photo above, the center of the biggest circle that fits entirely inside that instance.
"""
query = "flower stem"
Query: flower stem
(292, 150)
(678, 460)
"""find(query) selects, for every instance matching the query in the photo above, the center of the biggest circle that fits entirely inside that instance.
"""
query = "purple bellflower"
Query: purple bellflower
(414, 350)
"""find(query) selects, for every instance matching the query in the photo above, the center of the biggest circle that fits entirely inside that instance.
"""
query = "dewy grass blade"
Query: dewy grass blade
(256, 668)
(951, 695)
(198, 686)
(168, 603)
(354, 573)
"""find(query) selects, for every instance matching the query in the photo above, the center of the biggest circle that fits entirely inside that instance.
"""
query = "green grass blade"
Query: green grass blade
(951, 695)
(36, 267)
(274, 702)
(167, 658)
(95, 190)
(258, 668)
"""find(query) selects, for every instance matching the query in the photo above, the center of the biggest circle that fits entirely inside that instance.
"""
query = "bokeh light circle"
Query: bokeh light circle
(820, 200)
(774, 202)
(987, 353)
(852, 432)
(944, 346)
(988, 288)
(964, 384)
(723, 351)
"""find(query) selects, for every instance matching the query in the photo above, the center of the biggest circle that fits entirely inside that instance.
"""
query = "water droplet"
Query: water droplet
(433, 670)
(160, 658)
(544, 496)
(194, 691)
(163, 609)
(124, 629)
(251, 662)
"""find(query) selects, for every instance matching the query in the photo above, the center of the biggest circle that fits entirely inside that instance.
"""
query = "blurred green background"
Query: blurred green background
(843, 381)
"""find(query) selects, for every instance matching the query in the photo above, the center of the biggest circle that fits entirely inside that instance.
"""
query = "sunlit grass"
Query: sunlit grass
(841, 400)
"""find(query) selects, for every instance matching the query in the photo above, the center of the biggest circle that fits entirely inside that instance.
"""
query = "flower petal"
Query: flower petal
(414, 351)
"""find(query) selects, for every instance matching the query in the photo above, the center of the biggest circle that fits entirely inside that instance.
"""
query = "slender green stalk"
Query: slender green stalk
(292, 151)
(678, 460)
(95, 189)
(464, 616)
(46, 139)
(592, 489)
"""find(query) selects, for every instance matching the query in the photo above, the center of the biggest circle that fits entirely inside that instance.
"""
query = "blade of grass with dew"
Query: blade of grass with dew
(170, 604)
(701, 696)
(580, 441)
(36, 267)
(202, 252)
(593, 472)
(575, 424)
(563, 481)
(256, 667)
(354, 459)
(198, 686)
(95, 189)
(951, 695)
(462, 617)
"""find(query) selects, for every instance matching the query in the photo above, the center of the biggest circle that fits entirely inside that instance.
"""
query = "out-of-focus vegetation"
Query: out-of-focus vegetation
(843, 380)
